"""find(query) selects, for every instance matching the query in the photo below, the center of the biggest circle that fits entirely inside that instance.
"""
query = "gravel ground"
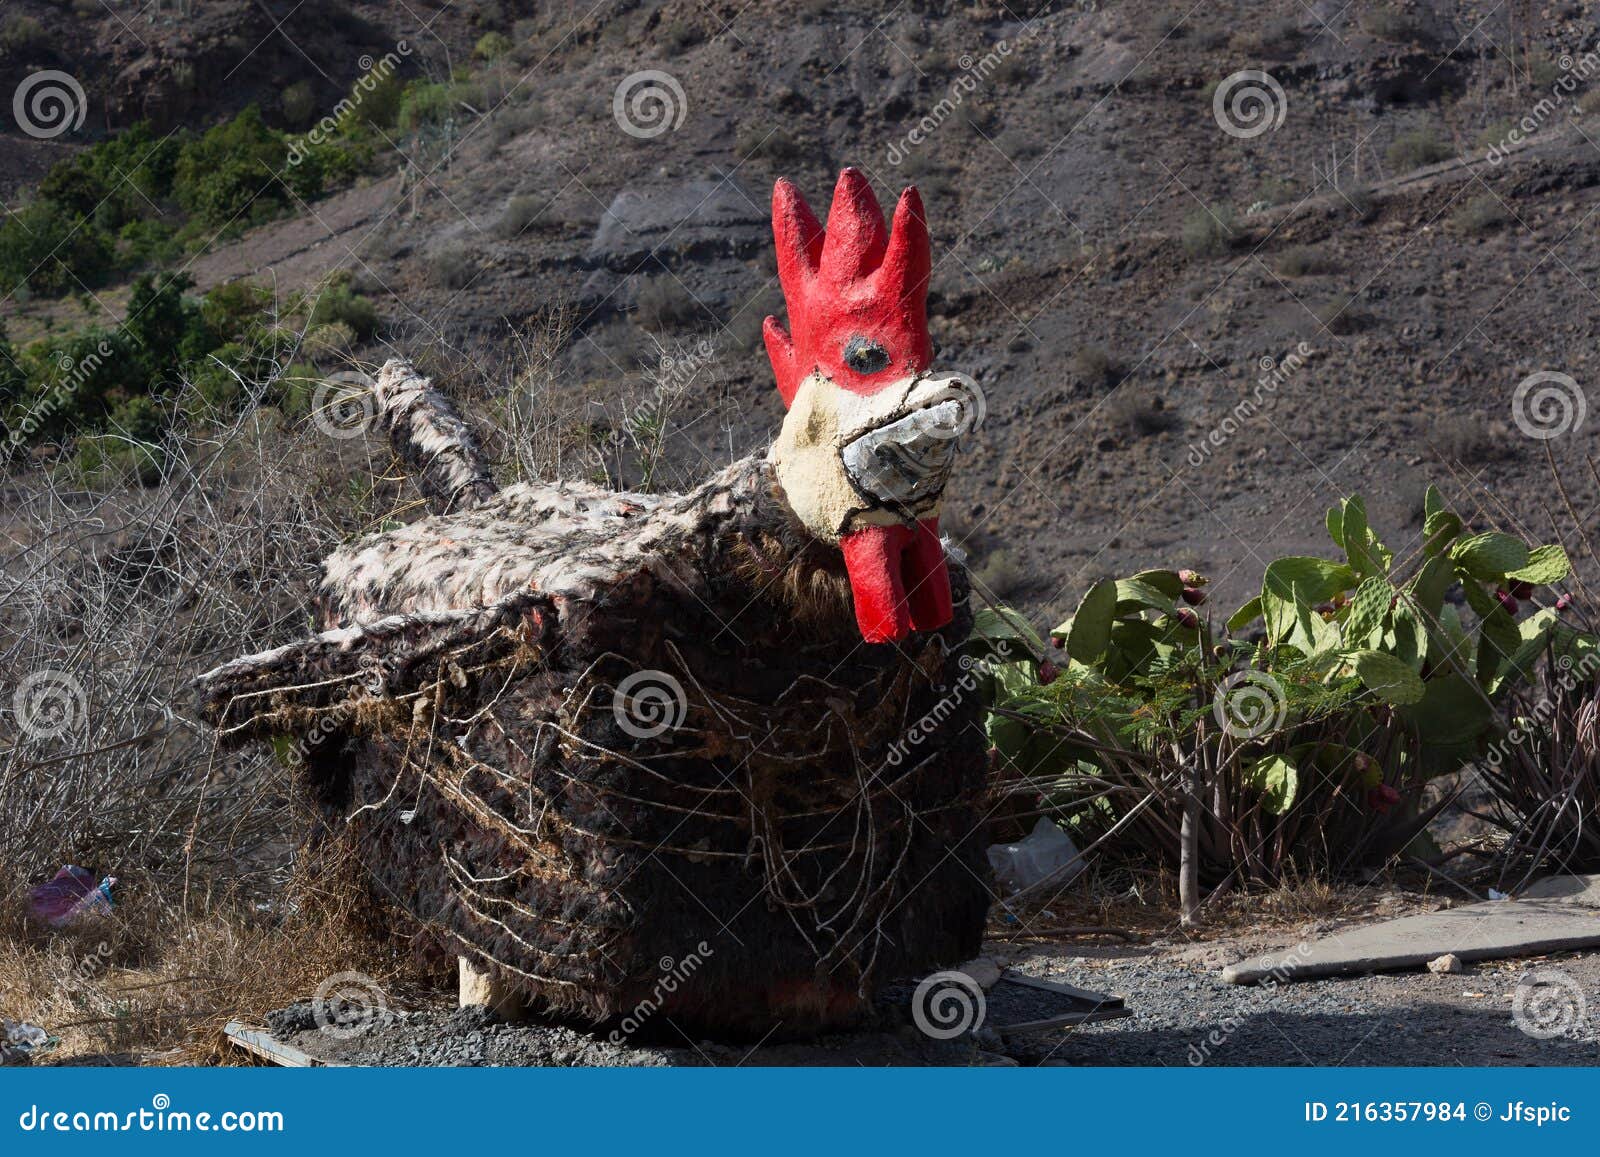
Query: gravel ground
(1182, 1014)
(475, 1037)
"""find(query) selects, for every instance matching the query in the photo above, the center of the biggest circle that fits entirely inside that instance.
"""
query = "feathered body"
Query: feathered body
(587, 738)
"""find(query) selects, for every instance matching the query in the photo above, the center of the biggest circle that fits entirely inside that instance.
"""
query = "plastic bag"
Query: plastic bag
(71, 893)
(1046, 852)
(19, 1040)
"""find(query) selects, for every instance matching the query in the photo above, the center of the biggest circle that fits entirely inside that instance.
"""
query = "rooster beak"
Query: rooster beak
(898, 574)
(868, 471)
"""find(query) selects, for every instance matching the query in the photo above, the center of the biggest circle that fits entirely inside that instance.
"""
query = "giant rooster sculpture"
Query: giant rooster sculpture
(581, 738)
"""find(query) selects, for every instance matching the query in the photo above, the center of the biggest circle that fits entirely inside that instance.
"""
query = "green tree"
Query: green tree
(166, 330)
(238, 172)
(51, 251)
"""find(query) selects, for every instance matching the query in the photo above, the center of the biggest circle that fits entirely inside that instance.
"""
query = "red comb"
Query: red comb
(856, 279)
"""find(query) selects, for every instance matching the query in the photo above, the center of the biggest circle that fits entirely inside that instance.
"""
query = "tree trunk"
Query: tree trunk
(1189, 842)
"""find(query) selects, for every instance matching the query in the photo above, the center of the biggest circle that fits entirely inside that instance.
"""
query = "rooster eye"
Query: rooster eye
(865, 356)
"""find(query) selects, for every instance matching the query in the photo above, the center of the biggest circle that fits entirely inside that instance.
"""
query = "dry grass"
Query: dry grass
(122, 594)
(119, 597)
(1115, 904)
(128, 592)
(154, 984)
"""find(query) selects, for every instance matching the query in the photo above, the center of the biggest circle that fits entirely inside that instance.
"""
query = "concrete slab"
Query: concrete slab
(1555, 915)
(1573, 889)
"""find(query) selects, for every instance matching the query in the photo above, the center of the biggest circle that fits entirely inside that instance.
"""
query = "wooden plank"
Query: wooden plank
(259, 1042)
(1088, 1007)
(1065, 1020)
(1098, 999)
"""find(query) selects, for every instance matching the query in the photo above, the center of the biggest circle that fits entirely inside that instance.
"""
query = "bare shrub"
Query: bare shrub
(513, 122)
(1479, 215)
(1019, 144)
(1414, 149)
(752, 140)
(1138, 414)
(1208, 232)
(521, 213)
(1302, 261)
(1000, 576)
(112, 600)
(1095, 366)
(1269, 38)
(1357, 200)
(532, 421)
(933, 178)
(663, 303)
(1471, 438)
(1342, 315)
(453, 267)
(1387, 22)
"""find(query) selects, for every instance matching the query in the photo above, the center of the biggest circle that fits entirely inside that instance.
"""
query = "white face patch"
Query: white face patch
(847, 459)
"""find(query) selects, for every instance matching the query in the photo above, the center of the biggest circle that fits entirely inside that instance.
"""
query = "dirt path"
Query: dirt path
(296, 252)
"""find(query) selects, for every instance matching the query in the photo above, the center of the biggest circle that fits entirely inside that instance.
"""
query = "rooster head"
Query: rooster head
(871, 431)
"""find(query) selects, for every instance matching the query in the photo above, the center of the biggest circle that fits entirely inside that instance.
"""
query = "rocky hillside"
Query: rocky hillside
(1201, 305)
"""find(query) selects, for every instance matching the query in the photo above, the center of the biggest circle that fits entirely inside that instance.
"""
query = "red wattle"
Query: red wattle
(899, 580)
(927, 579)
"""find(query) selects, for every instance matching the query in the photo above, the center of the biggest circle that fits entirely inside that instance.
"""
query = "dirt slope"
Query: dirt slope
(1114, 266)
